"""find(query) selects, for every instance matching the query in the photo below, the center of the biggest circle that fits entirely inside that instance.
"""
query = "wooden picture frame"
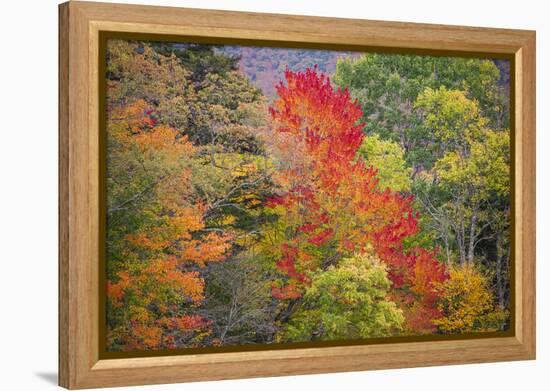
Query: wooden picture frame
(80, 25)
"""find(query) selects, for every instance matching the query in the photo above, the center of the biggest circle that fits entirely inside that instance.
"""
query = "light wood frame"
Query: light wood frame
(79, 27)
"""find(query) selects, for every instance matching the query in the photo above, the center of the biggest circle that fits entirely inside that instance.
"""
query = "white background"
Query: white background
(28, 195)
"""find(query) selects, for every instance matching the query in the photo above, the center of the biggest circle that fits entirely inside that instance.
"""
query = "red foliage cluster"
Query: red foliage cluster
(333, 200)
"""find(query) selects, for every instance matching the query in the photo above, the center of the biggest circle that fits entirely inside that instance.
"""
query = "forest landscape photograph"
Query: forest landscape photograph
(264, 196)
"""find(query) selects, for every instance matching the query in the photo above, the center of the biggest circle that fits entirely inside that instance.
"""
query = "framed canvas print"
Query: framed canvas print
(247, 195)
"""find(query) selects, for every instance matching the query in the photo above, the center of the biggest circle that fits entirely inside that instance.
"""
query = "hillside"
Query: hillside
(265, 66)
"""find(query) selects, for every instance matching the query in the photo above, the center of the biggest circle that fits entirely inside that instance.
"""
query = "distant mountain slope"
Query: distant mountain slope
(265, 66)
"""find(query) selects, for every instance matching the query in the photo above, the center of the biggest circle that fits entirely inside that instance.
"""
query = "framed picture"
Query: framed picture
(247, 195)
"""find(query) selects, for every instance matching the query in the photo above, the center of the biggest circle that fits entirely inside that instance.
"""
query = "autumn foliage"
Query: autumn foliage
(164, 255)
(332, 199)
(466, 303)
(236, 220)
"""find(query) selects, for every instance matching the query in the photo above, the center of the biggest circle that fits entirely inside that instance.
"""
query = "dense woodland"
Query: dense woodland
(357, 196)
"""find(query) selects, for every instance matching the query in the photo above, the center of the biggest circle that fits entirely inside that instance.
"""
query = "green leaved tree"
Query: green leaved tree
(347, 301)
(387, 86)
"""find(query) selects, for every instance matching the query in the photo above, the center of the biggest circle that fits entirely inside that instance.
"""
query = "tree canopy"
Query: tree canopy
(372, 204)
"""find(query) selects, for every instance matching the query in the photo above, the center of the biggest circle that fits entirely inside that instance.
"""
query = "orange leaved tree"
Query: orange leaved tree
(330, 205)
(157, 241)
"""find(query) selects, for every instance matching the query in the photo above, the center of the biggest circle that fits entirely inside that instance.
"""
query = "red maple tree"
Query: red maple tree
(332, 202)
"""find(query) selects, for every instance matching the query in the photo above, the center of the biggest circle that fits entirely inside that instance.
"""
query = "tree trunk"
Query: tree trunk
(285, 314)
(499, 265)
(472, 238)
(461, 243)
